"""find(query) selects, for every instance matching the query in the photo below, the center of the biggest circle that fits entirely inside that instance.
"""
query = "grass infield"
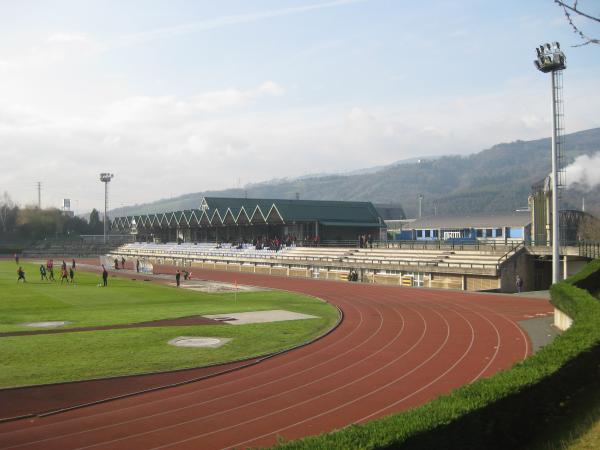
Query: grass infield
(50, 358)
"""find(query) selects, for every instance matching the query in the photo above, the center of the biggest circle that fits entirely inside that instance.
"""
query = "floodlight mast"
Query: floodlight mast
(105, 178)
(550, 58)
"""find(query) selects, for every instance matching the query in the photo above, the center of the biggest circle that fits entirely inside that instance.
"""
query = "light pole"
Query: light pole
(420, 201)
(105, 178)
(550, 58)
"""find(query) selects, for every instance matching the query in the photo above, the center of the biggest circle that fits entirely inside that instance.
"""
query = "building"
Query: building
(540, 204)
(245, 219)
(504, 228)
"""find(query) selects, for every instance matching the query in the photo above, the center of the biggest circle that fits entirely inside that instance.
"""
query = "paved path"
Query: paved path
(396, 348)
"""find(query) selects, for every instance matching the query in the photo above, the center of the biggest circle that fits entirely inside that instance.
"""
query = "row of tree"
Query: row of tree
(34, 223)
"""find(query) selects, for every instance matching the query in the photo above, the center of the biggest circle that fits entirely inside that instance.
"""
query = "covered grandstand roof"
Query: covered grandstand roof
(220, 211)
(516, 219)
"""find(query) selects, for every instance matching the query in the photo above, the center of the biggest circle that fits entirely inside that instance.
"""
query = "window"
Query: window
(419, 233)
(451, 234)
(498, 232)
(435, 233)
(427, 233)
(479, 232)
(488, 232)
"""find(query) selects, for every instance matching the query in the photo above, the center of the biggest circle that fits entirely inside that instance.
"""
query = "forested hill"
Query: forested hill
(494, 180)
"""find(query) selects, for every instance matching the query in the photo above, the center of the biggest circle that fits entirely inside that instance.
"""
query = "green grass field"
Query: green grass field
(27, 360)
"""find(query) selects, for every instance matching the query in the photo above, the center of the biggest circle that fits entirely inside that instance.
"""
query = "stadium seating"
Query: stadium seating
(289, 255)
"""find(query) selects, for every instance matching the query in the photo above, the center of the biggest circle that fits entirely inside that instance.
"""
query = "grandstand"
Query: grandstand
(483, 269)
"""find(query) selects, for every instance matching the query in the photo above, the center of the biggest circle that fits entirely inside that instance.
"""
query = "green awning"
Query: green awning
(352, 224)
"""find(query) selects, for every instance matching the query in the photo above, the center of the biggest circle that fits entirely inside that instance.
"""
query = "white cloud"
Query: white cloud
(225, 21)
(160, 146)
(66, 38)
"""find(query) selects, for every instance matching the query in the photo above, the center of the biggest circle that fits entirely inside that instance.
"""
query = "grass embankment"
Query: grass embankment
(524, 407)
(53, 358)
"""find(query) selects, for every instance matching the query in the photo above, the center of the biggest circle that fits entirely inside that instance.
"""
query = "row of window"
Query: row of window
(488, 232)
(480, 232)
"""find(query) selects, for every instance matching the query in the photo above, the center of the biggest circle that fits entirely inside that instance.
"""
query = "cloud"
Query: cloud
(159, 146)
(66, 38)
(167, 109)
(225, 21)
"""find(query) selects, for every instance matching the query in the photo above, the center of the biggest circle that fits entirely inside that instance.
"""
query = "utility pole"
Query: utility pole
(39, 189)
(420, 205)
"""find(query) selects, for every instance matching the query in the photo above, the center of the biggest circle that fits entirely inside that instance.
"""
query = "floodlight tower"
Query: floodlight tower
(105, 178)
(550, 58)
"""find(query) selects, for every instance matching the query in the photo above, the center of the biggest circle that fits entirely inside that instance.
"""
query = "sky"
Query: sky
(177, 97)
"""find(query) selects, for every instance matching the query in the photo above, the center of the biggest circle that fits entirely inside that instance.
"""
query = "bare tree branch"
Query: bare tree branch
(575, 10)
(568, 10)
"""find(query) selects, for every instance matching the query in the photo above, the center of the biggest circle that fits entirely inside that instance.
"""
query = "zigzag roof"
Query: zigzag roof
(220, 211)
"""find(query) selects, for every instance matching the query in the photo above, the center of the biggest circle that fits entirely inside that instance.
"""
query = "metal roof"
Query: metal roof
(219, 211)
(516, 219)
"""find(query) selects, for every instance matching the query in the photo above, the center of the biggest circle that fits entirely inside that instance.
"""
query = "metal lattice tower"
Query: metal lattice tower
(559, 118)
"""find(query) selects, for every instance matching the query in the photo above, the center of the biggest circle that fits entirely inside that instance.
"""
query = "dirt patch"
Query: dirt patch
(178, 322)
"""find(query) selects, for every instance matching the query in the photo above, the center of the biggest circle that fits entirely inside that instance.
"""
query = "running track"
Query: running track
(396, 348)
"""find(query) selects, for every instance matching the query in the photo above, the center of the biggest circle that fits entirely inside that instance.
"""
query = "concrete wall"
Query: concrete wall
(481, 283)
(561, 320)
(521, 264)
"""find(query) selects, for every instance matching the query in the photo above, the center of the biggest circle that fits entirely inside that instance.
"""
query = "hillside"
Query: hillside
(494, 180)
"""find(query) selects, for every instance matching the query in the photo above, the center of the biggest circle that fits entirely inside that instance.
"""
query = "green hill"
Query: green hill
(494, 180)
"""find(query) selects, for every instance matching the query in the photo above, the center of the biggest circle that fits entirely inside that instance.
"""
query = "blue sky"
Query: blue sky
(179, 96)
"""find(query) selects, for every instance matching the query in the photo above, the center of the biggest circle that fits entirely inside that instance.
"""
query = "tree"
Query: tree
(573, 9)
(96, 225)
(8, 213)
(36, 223)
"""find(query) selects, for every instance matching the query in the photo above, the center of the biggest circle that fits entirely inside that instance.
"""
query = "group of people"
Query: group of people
(122, 263)
(186, 276)
(365, 241)
(276, 243)
(66, 274)
(47, 272)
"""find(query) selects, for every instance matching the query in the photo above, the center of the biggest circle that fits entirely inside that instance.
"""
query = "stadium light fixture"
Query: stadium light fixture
(550, 59)
(105, 178)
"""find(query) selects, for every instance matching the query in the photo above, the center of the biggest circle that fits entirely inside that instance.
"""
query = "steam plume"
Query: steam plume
(584, 172)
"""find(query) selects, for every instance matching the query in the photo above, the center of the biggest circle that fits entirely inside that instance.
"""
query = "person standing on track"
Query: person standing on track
(73, 264)
(178, 277)
(519, 283)
(122, 262)
(71, 275)
(104, 276)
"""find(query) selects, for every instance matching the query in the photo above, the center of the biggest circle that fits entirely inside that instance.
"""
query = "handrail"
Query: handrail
(510, 252)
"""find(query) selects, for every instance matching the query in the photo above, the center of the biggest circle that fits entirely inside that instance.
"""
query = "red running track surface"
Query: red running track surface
(396, 348)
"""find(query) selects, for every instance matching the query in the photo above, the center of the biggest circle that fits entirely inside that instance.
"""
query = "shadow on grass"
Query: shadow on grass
(548, 415)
